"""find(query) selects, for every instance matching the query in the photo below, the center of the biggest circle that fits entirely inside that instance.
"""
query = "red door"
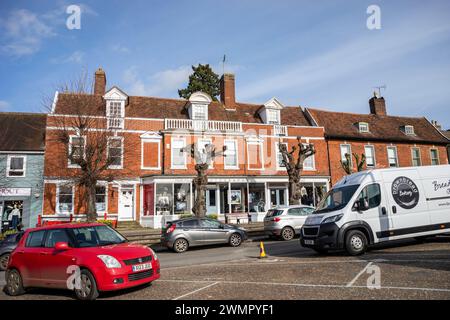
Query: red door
(28, 258)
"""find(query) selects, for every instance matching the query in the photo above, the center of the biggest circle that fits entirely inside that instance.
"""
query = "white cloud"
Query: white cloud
(4, 105)
(120, 48)
(75, 57)
(163, 83)
(23, 32)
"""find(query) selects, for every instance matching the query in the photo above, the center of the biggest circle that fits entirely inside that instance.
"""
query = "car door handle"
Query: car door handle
(394, 209)
(43, 253)
(383, 211)
(21, 252)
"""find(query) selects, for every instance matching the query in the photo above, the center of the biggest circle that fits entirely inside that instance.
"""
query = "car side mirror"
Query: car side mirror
(61, 246)
(361, 205)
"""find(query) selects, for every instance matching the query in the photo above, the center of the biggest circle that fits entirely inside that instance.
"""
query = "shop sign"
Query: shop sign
(15, 192)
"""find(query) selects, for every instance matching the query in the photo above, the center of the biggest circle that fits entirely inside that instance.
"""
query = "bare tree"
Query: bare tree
(91, 147)
(293, 162)
(347, 164)
(203, 159)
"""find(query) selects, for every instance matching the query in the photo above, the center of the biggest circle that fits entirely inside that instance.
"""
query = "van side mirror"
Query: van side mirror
(361, 205)
(61, 246)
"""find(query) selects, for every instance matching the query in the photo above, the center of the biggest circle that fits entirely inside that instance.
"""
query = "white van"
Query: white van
(380, 205)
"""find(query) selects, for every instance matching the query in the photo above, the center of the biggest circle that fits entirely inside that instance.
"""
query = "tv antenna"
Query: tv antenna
(378, 92)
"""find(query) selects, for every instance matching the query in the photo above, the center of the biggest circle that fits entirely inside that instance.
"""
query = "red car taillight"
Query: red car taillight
(276, 219)
(171, 228)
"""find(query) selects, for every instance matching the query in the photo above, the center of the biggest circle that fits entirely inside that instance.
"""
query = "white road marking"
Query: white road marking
(359, 274)
(300, 285)
(195, 291)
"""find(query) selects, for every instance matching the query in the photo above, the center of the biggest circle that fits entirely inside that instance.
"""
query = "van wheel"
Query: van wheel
(355, 242)
(180, 245)
(88, 290)
(287, 233)
(235, 240)
(14, 284)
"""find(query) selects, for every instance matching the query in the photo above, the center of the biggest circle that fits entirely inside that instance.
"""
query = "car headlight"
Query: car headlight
(109, 261)
(333, 218)
(155, 256)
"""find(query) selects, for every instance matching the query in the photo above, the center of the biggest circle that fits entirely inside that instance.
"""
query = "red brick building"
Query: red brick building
(387, 141)
(155, 175)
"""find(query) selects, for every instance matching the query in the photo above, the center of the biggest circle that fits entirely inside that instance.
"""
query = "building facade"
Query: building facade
(21, 166)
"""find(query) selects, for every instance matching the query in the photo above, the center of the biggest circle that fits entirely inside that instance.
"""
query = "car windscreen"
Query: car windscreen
(274, 213)
(95, 236)
(336, 199)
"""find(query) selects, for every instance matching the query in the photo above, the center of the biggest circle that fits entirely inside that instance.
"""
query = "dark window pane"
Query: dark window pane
(191, 223)
(54, 236)
(35, 239)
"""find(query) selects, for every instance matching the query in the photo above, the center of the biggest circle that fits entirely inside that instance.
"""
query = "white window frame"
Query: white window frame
(412, 156)
(8, 166)
(396, 156)
(58, 186)
(69, 164)
(254, 142)
(115, 167)
(235, 142)
(313, 168)
(273, 112)
(106, 197)
(177, 166)
(342, 156)
(361, 126)
(150, 140)
(369, 146)
(278, 154)
(409, 130)
(437, 156)
(115, 117)
(205, 141)
(201, 109)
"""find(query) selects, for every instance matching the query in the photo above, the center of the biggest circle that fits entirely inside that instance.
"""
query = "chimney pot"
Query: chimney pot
(377, 106)
(100, 82)
(227, 90)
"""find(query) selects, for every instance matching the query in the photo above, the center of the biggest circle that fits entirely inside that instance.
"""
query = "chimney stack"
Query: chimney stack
(100, 82)
(377, 105)
(227, 90)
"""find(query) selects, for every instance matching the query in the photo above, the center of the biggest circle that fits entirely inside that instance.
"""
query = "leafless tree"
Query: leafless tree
(203, 159)
(293, 162)
(347, 164)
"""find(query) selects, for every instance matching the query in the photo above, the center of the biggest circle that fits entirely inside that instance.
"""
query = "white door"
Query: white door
(126, 204)
(211, 201)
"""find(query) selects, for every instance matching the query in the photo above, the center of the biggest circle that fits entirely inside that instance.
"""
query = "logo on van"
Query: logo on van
(405, 192)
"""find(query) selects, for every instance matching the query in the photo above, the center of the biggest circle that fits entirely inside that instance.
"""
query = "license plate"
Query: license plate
(310, 242)
(141, 267)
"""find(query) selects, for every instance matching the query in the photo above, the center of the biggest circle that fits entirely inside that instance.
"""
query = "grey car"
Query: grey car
(179, 235)
(7, 246)
(286, 222)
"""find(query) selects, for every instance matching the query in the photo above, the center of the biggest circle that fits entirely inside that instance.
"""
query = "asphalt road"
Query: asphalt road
(407, 271)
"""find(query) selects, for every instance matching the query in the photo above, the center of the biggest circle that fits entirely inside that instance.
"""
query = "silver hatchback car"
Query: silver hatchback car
(286, 222)
(179, 235)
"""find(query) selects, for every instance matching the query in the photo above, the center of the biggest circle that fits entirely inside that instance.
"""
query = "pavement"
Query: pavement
(404, 270)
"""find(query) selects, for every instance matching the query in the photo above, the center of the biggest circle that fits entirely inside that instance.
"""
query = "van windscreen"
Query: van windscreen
(336, 199)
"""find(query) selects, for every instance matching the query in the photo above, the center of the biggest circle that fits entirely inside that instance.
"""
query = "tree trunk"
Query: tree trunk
(200, 182)
(91, 210)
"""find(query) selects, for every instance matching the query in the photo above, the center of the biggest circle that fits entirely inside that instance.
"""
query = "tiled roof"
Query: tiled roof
(160, 108)
(22, 131)
(381, 127)
(446, 133)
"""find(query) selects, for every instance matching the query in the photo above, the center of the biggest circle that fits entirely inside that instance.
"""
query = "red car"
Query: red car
(87, 258)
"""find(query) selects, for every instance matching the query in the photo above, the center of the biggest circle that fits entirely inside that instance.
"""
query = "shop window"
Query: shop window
(64, 199)
(257, 202)
(238, 197)
(100, 198)
(164, 199)
(16, 166)
(182, 198)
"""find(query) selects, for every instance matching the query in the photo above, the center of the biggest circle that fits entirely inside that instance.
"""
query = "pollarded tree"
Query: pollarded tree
(347, 164)
(203, 159)
(293, 162)
(203, 79)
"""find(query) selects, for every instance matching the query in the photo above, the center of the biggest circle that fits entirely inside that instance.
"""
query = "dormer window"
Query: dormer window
(198, 106)
(409, 130)
(199, 112)
(115, 108)
(270, 112)
(273, 116)
(363, 127)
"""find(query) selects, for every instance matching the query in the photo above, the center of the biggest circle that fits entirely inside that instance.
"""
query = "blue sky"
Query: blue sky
(309, 53)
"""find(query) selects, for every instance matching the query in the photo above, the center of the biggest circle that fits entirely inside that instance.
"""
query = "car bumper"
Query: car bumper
(326, 238)
(123, 278)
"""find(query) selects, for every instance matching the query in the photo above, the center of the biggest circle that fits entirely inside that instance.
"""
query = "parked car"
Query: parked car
(380, 205)
(286, 222)
(179, 235)
(7, 246)
(47, 256)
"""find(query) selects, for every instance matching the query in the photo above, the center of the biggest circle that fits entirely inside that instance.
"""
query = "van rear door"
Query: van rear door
(407, 202)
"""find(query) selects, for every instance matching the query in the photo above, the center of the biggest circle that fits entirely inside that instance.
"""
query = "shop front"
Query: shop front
(229, 198)
(19, 198)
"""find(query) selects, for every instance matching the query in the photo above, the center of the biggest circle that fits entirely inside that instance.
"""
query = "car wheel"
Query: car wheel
(180, 245)
(14, 284)
(355, 242)
(287, 233)
(4, 261)
(235, 240)
(88, 287)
